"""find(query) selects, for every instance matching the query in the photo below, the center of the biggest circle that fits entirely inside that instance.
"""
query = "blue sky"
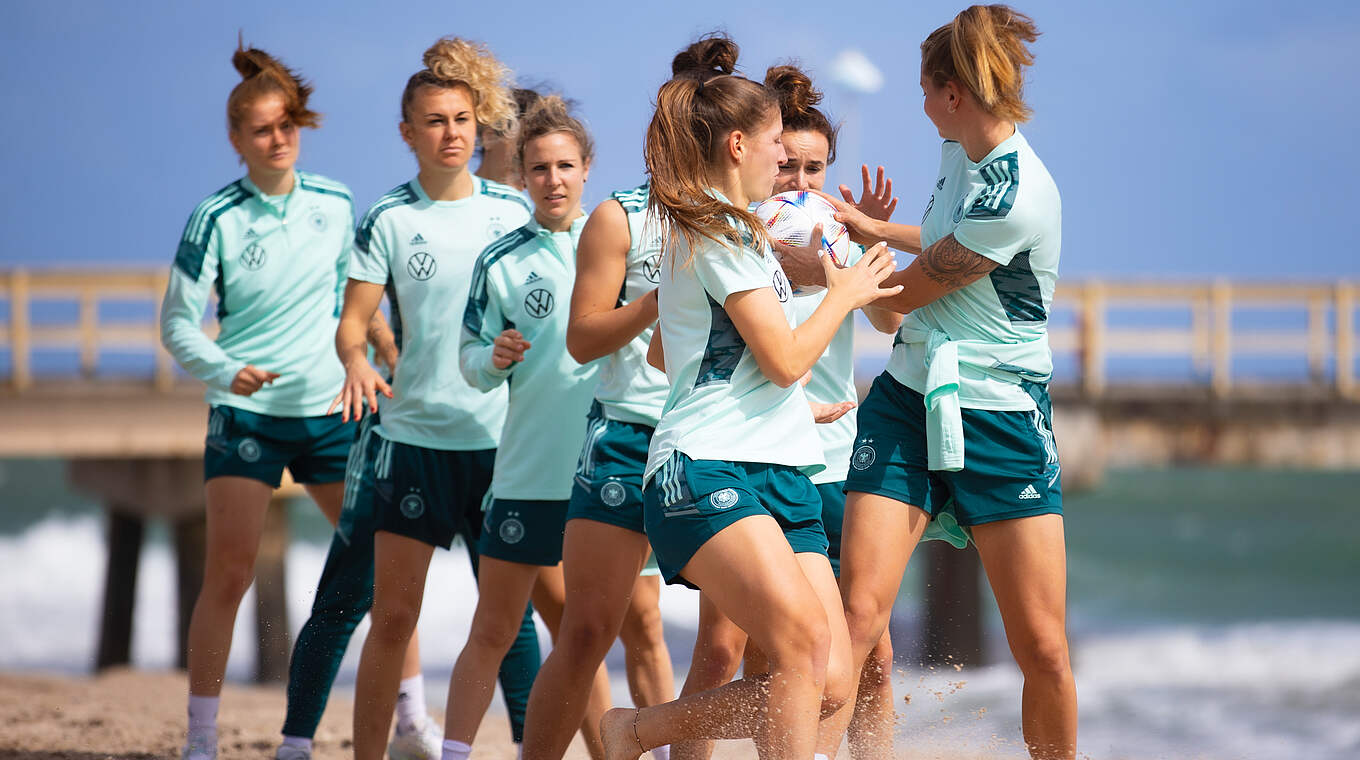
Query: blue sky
(1188, 139)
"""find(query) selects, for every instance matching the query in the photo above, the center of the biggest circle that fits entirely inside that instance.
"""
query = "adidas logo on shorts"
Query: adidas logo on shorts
(1028, 493)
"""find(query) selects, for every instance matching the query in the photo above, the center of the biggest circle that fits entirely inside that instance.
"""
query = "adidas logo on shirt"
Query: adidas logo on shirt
(250, 233)
(1028, 493)
(418, 239)
(533, 277)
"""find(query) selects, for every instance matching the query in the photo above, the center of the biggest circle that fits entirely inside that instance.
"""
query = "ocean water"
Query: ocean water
(1214, 613)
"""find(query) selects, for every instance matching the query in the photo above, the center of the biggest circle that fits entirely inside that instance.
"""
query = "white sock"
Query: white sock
(301, 742)
(820, 756)
(519, 751)
(664, 752)
(455, 750)
(203, 713)
(411, 703)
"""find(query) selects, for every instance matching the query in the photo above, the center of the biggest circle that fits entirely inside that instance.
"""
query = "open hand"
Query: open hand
(876, 202)
(827, 413)
(859, 284)
(361, 389)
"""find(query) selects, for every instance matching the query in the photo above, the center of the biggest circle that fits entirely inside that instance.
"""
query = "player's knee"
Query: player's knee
(1043, 656)
(585, 637)
(228, 580)
(493, 636)
(865, 618)
(801, 642)
(642, 629)
(394, 620)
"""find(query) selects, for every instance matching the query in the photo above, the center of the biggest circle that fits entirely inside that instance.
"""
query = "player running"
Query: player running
(728, 506)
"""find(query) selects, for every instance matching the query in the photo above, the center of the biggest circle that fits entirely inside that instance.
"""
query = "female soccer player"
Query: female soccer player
(961, 418)
(431, 454)
(514, 333)
(345, 591)
(613, 310)
(810, 148)
(500, 150)
(728, 507)
(269, 371)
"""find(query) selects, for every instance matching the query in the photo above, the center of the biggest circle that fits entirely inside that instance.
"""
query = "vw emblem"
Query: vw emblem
(539, 303)
(512, 531)
(252, 257)
(864, 456)
(318, 221)
(412, 506)
(420, 266)
(781, 285)
(723, 499)
(651, 268)
(612, 494)
(248, 450)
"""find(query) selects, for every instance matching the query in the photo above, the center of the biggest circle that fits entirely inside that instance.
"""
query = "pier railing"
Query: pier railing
(1097, 326)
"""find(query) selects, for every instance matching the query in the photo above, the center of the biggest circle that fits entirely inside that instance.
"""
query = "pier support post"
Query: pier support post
(126, 531)
(191, 548)
(953, 624)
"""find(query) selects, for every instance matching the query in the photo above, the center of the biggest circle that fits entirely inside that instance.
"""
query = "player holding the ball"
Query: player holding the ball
(728, 505)
(961, 418)
(809, 141)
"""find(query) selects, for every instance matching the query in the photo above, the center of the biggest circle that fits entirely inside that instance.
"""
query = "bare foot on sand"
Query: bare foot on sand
(616, 732)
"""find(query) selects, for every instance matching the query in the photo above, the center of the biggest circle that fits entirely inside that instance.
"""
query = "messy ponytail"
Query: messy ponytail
(550, 114)
(452, 62)
(798, 101)
(262, 74)
(984, 48)
(695, 112)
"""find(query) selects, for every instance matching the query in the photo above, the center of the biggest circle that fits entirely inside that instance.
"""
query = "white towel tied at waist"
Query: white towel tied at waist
(1008, 362)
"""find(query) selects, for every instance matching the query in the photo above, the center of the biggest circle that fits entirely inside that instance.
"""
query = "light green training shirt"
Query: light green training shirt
(523, 281)
(1005, 207)
(424, 251)
(833, 381)
(277, 265)
(631, 390)
(720, 406)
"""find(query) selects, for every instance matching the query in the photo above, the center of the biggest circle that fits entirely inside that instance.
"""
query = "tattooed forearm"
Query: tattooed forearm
(950, 264)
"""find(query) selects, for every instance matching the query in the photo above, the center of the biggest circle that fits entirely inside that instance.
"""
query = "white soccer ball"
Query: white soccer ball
(789, 218)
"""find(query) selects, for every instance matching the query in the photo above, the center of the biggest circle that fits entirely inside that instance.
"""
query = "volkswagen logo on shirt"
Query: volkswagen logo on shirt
(781, 285)
(420, 266)
(651, 268)
(318, 221)
(252, 257)
(539, 303)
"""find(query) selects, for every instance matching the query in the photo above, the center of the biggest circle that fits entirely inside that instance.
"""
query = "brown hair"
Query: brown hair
(984, 48)
(798, 101)
(550, 114)
(262, 74)
(695, 112)
(452, 62)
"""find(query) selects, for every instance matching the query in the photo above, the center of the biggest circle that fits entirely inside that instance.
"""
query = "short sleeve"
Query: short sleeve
(994, 225)
(724, 271)
(369, 259)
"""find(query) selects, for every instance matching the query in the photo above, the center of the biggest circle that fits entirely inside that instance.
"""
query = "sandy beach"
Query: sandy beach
(138, 715)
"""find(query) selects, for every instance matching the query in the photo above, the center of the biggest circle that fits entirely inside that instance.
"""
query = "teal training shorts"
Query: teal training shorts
(428, 494)
(608, 483)
(833, 515)
(687, 502)
(258, 446)
(1010, 467)
(527, 532)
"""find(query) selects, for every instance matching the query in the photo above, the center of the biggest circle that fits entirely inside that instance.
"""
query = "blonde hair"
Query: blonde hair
(984, 48)
(695, 112)
(549, 114)
(454, 62)
(262, 74)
